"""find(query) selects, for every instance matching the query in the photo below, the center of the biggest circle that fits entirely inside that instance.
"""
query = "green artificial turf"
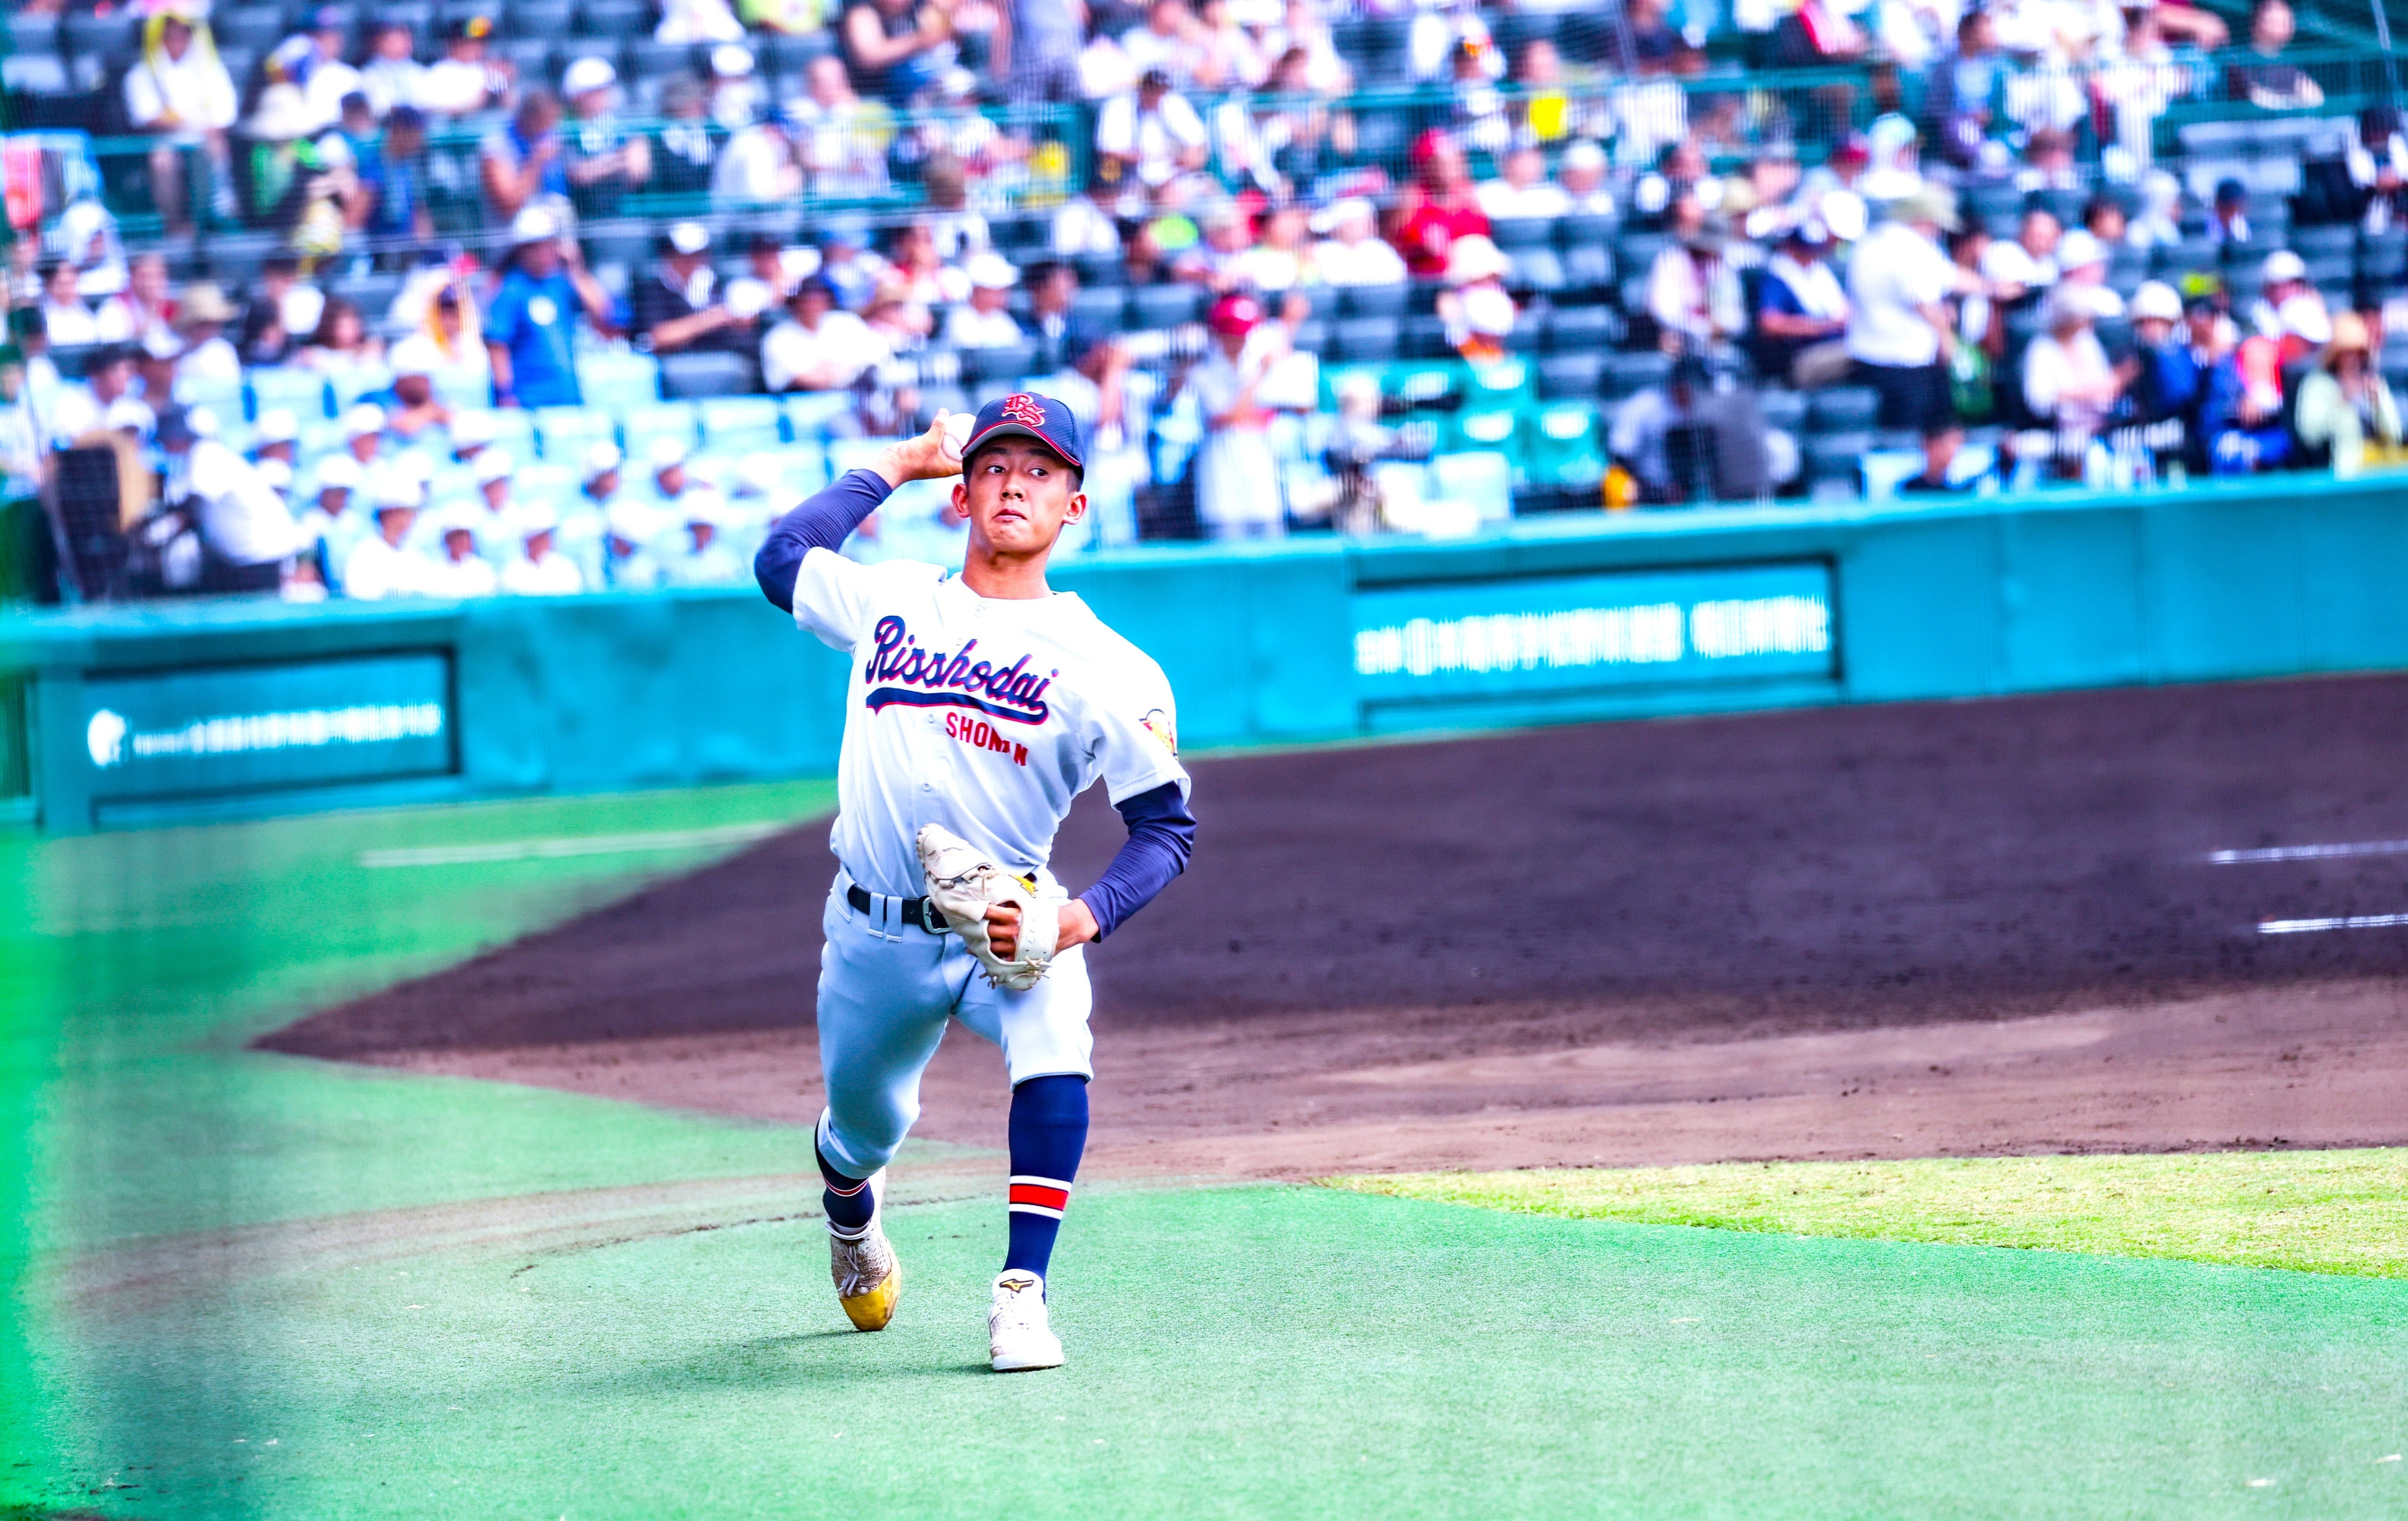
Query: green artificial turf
(2332, 1212)
(1242, 1352)
(251, 1285)
(135, 965)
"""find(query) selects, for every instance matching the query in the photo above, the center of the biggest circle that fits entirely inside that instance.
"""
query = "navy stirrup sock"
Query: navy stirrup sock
(1049, 1131)
(850, 1201)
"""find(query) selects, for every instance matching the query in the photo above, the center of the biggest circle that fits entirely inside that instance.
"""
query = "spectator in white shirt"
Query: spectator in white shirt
(1522, 188)
(540, 569)
(1087, 222)
(69, 322)
(460, 571)
(210, 363)
(1899, 332)
(331, 524)
(818, 347)
(2067, 382)
(1801, 318)
(1171, 40)
(1692, 290)
(465, 81)
(1282, 260)
(1352, 252)
(249, 531)
(393, 76)
(378, 565)
(1154, 133)
(985, 319)
(2016, 268)
(1582, 173)
(180, 94)
(704, 556)
(314, 61)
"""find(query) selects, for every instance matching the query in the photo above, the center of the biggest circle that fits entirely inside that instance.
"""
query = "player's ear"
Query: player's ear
(1077, 507)
(961, 500)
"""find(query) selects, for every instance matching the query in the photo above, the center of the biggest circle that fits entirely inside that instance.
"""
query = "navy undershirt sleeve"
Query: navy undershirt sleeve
(823, 522)
(1161, 837)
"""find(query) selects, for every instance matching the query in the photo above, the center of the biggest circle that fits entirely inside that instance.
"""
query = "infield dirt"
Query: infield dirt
(1914, 930)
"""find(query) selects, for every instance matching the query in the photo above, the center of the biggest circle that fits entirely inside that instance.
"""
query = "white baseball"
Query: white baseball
(957, 434)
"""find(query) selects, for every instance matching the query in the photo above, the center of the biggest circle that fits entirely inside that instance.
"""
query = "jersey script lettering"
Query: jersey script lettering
(933, 679)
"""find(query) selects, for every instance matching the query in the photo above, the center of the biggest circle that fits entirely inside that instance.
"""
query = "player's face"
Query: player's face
(1018, 495)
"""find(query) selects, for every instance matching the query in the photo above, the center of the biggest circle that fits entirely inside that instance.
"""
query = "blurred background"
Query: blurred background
(630, 278)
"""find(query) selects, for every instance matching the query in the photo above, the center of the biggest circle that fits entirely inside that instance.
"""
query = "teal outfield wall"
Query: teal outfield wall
(123, 716)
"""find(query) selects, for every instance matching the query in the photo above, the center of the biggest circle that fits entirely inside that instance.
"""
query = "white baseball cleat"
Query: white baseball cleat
(1017, 1336)
(868, 1278)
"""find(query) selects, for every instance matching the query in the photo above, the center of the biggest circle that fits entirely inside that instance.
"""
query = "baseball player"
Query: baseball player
(980, 705)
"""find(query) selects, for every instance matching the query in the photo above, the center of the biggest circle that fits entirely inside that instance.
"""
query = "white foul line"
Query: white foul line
(2309, 926)
(2308, 853)
(553, 850)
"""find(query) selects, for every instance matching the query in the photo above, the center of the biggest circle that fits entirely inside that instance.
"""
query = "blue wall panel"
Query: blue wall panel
(1969, 598)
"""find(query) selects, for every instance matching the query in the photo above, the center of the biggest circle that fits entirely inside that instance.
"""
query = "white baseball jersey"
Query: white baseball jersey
(985, 715)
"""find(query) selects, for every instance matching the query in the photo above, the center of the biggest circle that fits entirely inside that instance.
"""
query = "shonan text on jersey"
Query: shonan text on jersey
(987, 716)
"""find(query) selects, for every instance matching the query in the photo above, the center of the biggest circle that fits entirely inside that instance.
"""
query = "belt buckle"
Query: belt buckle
(932, 920)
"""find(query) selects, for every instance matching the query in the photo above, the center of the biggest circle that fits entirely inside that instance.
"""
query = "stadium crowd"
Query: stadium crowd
(406, 303)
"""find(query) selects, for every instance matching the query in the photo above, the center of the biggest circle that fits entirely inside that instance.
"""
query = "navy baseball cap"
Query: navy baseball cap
(1027, 415)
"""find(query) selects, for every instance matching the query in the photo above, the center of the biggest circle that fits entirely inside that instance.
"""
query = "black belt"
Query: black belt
(916, 910)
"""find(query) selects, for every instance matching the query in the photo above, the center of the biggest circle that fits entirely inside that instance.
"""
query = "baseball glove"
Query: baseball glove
(962, 883)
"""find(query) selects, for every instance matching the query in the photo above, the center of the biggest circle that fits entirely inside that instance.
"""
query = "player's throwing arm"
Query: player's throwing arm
(980, 704)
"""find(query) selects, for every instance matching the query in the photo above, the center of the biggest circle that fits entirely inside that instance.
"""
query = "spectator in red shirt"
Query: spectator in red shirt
(1437, 208)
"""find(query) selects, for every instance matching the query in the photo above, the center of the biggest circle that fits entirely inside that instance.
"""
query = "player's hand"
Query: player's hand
(922, 458)
(1078, 927)
(1003, 929)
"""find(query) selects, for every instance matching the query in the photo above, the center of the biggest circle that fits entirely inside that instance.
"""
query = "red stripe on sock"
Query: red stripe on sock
(1038, 1193)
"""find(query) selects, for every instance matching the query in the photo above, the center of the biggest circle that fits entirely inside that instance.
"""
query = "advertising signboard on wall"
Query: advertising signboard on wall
(209, 731)
(1536, 636)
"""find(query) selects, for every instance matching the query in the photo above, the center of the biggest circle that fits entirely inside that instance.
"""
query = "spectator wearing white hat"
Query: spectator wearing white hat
(1900, 330)
(603, 160)
(540, 569)
(2168, 379)
(531, 325)
(680, 307)
(985, 319)
(491, 474)
(277, 435)
(673, 479)
(2069, 384)
(378, 566)
(1477, 310)
(628, 562)
(703, 557)
(1351, 251)
(459, 570)
(600, 479)
(208, 362)
(697, 21)
(2081, 259)
(472, 434)
(1582, 172)
(330, 524)
(414, 414)
(364, 432)
(248, 530)
(2289, 310)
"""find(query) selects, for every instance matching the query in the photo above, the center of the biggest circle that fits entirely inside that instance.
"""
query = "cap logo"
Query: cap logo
(1022, 408)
